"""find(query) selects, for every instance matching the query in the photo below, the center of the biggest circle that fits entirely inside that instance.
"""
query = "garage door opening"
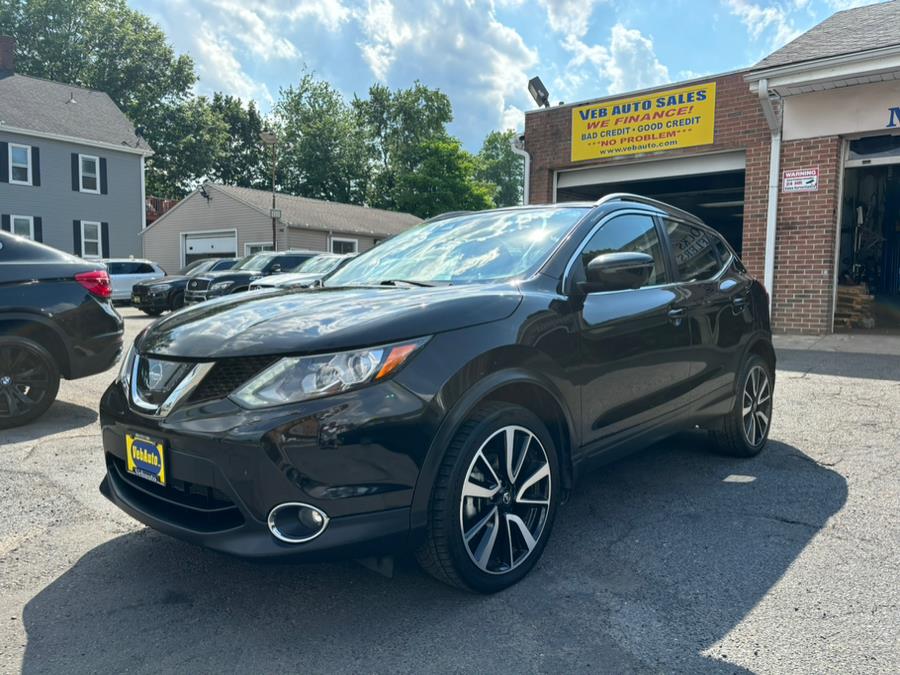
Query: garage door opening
(200, 245)
(711, 187)
(868, 291)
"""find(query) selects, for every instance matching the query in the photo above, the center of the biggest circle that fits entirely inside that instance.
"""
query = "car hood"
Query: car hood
(323, 319)
(162, 280)
(226, 275)
(289, 278)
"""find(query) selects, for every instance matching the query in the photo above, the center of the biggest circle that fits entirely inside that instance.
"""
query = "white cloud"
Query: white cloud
(458, 46)
(224, 35)
(627, 62)
(758, 19)
(569, 17)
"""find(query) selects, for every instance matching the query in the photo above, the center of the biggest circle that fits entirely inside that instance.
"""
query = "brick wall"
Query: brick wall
(740, 125)
(805, 240)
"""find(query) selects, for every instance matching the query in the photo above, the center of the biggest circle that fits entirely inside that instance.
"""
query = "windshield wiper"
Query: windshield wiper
(403, 282)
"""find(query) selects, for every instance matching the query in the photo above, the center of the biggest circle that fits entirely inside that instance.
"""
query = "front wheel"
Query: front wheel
(29, 381)
(745, 430)
(494, 500)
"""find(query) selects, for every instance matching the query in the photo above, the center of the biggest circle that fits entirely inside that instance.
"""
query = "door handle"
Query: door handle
(676, 315)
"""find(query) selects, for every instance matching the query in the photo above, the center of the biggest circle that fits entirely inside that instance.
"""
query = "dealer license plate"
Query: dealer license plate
(145, 458)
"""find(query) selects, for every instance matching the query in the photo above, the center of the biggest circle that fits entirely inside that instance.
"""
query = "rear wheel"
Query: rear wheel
(745, 429)
(152, 312)
(29, 381)
(494, 500)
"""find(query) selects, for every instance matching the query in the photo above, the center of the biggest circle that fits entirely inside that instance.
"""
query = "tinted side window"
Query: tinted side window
(117, 268)
(144, 268)
(695, 251)
(628, 233)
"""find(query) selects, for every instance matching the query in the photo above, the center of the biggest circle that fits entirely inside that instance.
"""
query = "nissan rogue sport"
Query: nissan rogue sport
(441, 391)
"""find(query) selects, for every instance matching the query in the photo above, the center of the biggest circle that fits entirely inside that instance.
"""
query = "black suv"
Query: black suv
(167, 294)
(238, 278)
(56, 320)
(441, 391)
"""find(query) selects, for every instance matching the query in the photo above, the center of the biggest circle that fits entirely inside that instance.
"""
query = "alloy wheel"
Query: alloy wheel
(24, 381)
(505, 500)
(757, 405)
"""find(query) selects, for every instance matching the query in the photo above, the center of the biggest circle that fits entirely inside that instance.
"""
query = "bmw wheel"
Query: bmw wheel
(494, 501)
(29, 381)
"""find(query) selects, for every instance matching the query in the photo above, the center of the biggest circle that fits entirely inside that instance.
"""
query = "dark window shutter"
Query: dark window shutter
(35, 166)
(104, 238)
(4, 162)
(75, 185)
(103, 188)
(38, 228)
(4, 223)
(76, 233)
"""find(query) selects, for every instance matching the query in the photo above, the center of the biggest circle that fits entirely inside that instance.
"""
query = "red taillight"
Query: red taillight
(96, 282)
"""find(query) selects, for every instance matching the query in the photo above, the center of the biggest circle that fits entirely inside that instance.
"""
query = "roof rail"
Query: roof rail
(629, 197)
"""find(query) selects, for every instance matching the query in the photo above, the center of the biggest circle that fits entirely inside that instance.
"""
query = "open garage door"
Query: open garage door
(209, 245)
(709, 186)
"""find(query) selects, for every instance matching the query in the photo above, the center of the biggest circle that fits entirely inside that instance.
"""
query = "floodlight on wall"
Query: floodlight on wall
(539, 92)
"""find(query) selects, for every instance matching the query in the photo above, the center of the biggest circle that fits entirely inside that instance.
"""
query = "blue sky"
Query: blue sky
(480, 52)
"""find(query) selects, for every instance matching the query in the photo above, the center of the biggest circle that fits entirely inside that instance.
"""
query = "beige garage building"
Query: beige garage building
(221, 221)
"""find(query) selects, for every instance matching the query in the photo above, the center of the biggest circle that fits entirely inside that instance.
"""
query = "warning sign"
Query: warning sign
(800, 180)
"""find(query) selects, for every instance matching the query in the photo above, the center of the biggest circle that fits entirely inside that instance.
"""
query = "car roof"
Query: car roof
(143, 260)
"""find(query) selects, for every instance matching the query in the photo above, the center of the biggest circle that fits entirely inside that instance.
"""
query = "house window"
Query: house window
(89, 173)
(23, 226)
(19, 164)
(90, 239)
(257, 247)
(342, 246)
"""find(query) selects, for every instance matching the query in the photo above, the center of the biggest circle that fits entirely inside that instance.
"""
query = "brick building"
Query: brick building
(795, 160)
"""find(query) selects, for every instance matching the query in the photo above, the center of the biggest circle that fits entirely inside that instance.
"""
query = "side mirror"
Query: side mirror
(617, 272)
(275, 269)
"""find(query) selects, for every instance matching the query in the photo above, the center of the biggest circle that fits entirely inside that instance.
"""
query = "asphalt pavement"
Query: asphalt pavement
(673, 560)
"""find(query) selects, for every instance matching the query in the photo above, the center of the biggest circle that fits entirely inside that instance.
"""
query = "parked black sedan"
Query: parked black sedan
(167, 294)
(56, 320)
(442, 391)
(247, 270)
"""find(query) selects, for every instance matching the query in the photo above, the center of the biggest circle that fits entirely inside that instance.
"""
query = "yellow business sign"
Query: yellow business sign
(664, 120)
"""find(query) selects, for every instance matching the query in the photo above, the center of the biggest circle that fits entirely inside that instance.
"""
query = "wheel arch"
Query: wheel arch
(42, 333)
(513, 385)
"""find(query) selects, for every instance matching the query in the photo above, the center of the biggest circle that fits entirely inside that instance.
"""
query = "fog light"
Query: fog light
(295, 523)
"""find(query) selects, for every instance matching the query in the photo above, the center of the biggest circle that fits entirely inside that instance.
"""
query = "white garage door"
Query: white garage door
(616, 172)
(209, 245)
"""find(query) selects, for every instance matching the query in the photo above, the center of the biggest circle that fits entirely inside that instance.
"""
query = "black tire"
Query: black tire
(29, 381)
(152, 312)
(733, 438)
(177, 301)
(445, 554)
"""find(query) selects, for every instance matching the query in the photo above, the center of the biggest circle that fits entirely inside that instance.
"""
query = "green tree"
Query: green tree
(105, 45)
(244, 161)
(191, 139)
(397, 126)
(322, 149)
(500, 166)
(441, 179)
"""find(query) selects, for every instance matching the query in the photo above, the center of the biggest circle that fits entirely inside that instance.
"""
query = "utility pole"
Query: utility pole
(270, 139)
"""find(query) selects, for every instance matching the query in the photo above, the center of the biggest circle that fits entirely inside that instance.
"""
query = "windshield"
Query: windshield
(197, 268)
(253, 263)
(318, 265)
(489, 246)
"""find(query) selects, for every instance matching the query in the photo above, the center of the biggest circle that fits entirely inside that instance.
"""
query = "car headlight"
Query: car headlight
(162, 288)
(299, 378)
(221, 285)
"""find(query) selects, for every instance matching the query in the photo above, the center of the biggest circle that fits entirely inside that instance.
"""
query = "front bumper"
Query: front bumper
(356, 457)
(192, 297)
(151, 302)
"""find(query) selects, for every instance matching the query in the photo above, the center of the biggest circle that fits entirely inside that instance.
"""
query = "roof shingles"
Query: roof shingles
(851, 31)
(318, 214)
(43, 106)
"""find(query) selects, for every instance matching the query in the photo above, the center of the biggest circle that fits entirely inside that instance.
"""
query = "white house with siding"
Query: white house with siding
(226, 221)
